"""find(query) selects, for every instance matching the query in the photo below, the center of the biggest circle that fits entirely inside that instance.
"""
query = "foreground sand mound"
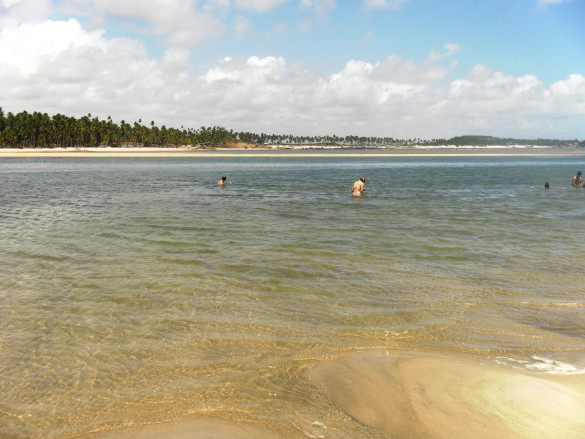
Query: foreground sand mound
(422, 397)
(195, 428)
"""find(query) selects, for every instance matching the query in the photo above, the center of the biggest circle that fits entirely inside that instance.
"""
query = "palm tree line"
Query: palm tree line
(39, 130)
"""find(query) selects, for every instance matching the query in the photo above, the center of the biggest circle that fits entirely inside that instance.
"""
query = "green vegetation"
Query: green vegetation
(490, 141)
(39, 130)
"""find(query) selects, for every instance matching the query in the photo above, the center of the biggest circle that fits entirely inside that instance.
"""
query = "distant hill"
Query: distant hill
(492, 141)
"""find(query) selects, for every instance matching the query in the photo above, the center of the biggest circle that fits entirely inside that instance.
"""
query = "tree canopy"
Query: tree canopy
(39, 130)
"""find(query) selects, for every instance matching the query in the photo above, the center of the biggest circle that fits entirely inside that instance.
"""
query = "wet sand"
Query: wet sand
(417, 396)
(412, 396)
(195, 428)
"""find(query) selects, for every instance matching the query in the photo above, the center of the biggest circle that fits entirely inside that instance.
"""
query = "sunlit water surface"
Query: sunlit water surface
(136, 290)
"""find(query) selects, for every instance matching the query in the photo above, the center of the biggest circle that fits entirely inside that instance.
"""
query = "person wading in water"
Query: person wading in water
(358, 187)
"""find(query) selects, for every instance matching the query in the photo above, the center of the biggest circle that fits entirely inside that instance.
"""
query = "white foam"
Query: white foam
(542, 364)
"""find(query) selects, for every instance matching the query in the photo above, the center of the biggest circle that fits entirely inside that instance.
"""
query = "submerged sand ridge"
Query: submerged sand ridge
(435, 397)
(416, 396)
(196, 428)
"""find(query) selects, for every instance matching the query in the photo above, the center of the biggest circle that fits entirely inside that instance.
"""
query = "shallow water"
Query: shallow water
(135, 290)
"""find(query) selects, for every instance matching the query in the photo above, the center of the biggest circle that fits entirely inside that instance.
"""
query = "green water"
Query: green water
(136, 290)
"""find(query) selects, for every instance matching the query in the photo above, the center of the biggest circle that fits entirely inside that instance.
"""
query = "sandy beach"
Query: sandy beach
(94, 152)
(421, 396)
(271, 152)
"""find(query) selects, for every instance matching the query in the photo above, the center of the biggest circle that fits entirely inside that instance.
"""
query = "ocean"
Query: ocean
(135, 291)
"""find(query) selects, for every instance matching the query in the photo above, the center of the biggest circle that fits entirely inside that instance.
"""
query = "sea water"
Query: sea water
(136, 290)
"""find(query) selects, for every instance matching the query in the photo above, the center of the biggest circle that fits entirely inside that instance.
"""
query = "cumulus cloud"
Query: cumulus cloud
(18, 11)
(518, 104)
(254, 72)
(59, 67)
(181, 22)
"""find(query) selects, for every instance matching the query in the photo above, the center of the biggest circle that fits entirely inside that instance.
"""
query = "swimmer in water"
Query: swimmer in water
(222, 181)
(358, 187)
(546, 186)
(577, 180)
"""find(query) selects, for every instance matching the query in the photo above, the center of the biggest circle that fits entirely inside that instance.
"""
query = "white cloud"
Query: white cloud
(507, 103)
(384, 4)
(568, 94)
(255, 72)
(13, 12)
(180, 21)
(545, 3)
(450, 49)
(59, 67)
(62, 68)
(368, 36)
(242, 27)
(217, 4)
(319, 7)
(258, 5)
(26, 49)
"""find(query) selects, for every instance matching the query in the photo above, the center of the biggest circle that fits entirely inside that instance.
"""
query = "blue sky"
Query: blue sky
(517, 37)
(396, 68)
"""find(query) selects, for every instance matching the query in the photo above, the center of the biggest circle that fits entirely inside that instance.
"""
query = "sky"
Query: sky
(424, 69)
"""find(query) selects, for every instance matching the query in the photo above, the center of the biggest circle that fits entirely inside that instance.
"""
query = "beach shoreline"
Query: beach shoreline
(414, 394)
(284, 152)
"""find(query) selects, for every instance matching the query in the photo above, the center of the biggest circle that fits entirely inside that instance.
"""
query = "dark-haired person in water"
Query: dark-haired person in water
(577, 180)
(358, 187)
(222, 181)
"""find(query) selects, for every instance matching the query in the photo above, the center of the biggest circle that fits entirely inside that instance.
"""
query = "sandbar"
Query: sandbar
(197, 427)
(433, 397)
(413, 395)
(269, 152)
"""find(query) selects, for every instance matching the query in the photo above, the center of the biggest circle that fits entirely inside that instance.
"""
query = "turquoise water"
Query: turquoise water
(136, 290)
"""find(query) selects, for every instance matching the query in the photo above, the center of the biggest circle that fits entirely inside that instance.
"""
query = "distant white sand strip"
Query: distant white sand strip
(183, 152)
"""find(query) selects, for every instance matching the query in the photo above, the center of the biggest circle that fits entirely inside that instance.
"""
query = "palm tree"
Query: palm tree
(2, 125)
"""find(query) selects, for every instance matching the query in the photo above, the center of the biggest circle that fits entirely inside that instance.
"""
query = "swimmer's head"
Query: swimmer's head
(223, 178)
(546, 186)
(579, 173)
(363, 179)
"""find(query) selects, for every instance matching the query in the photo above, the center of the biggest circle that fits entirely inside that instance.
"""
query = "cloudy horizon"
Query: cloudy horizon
(401, 68)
